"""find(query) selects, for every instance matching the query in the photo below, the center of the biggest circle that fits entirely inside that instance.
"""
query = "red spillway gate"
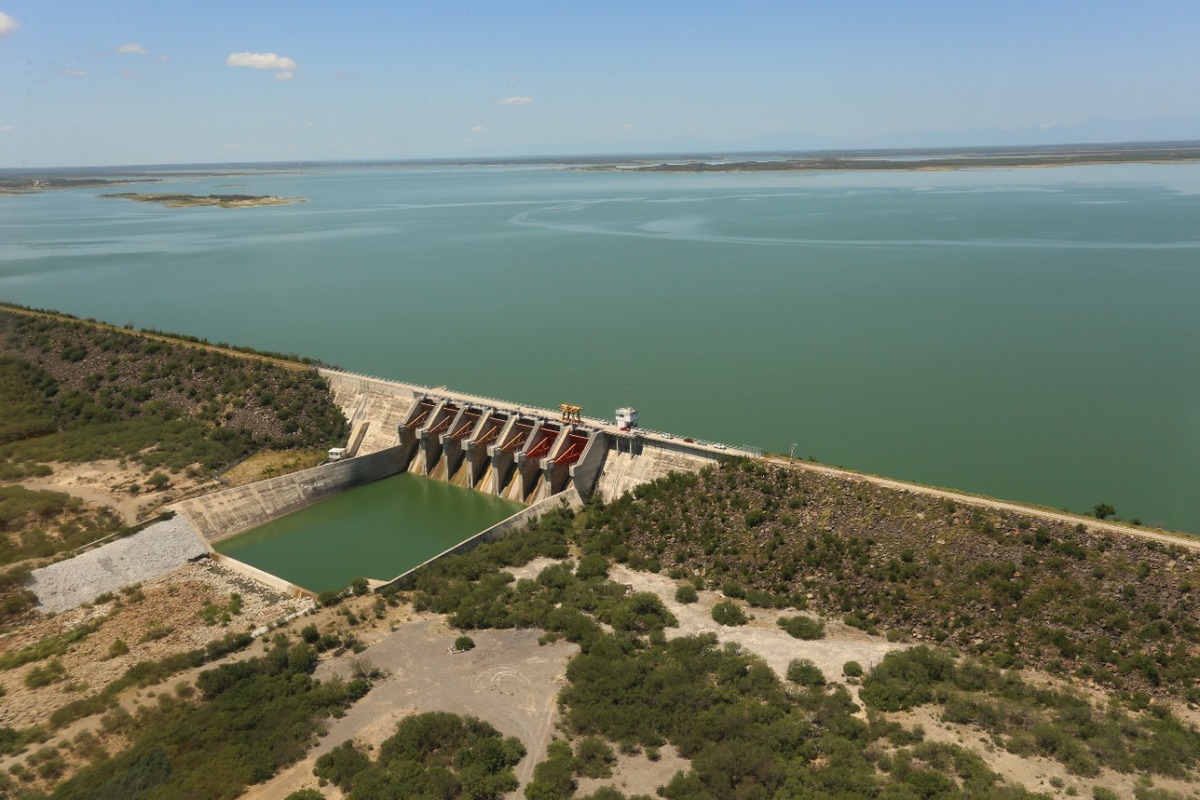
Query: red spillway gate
(575, 444)
(420, 415)
(468, 425)
(544, 442)
(517, 439)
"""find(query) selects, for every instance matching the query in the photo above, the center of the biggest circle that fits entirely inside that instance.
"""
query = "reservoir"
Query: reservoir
(1030, 334)
(375, 531)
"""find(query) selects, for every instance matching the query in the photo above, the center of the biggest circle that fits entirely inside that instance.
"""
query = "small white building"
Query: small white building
(627, 419)
(337, 453)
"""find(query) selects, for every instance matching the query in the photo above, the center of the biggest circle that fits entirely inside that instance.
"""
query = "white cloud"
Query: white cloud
(72, 73)
(286, 75)
(128, 74)
(7, 25)
(477, 129)
(515, 101)
(624, 126)
(161, 59)
(260, 61)
(8, 129)
(132, 49)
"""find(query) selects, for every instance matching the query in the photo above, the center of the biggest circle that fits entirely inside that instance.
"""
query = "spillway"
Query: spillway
(513, 451)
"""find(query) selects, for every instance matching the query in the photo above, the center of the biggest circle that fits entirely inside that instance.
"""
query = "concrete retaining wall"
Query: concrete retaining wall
(586, 470)
(229, 512)
(508, 527)
(267, 579)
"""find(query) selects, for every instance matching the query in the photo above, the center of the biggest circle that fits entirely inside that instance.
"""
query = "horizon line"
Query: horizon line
(624, 157)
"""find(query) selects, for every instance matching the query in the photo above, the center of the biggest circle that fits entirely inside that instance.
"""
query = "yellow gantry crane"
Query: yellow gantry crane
(570, 413)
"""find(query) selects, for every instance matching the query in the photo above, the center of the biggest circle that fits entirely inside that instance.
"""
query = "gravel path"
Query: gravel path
(144, 556)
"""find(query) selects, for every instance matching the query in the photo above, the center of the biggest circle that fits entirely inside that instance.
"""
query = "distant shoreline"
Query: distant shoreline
(831, 162)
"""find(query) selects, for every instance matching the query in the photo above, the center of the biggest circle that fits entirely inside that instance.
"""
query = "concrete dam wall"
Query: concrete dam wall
(519, 452)
(531, 455)
(229, 512)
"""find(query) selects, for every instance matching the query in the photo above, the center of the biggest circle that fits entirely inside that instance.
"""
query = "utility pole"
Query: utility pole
(792, 453)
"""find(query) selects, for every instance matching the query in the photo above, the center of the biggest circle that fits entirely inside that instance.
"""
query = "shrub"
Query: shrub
(359, 586)
(686, 594)
(39, 676)
(594, 758)
(305, 794)
(805, 673)
(852, 669)
(592, 565)
(341, 765)
(802, 627)
(464, 643)
(729, 614)
(905, 679)
(117, 648)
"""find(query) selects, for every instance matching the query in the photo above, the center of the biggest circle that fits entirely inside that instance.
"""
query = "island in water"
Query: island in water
(222, 200)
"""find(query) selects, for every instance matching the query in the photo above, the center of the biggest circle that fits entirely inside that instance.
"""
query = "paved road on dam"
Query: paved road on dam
(1181, 539)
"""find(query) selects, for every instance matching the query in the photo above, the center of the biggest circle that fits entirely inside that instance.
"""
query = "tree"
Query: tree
(1103, 510)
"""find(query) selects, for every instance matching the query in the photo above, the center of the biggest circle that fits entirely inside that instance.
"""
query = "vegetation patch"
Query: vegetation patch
(252, 718)
(1030, 720)
(430, 755)
(1116, 610)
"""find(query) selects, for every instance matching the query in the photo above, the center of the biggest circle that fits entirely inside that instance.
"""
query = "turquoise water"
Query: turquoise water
(375, 531)
(1025, 333)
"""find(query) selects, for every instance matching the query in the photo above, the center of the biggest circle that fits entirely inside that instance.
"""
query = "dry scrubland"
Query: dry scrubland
(753, 631)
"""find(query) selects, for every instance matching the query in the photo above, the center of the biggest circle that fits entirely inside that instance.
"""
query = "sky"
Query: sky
(121, 82)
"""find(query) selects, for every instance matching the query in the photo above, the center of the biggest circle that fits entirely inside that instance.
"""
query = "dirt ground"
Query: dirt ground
(513, 682)
(508, 679)
(110, 483)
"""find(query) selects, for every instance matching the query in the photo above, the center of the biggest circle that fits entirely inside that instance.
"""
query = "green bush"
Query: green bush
(852, 669)
(305, 794)
(594, 758)
(51, 672)
(805, 673)
(464, 643)
(686, 594)
(592, 565)
(802, 627)
(729, 614)
(905, 679)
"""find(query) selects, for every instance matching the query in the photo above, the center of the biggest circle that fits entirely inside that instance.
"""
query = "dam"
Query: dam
(519, 454)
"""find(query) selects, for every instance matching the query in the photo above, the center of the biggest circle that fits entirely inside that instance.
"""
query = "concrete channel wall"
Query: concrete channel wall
(508, 527)
(229, 512)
